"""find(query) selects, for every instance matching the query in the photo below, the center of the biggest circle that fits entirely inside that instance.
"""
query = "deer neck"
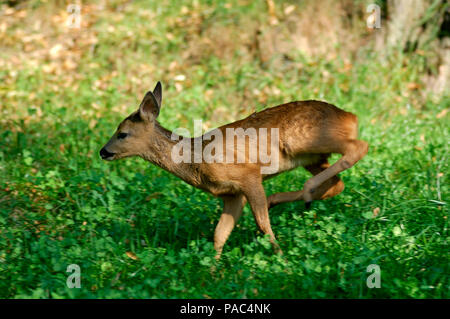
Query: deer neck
(159, 152)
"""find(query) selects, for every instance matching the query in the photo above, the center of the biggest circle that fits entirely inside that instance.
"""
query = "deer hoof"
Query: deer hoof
(308, 204)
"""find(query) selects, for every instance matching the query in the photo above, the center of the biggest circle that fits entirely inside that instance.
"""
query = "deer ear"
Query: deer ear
(149, 108)
(157, 93)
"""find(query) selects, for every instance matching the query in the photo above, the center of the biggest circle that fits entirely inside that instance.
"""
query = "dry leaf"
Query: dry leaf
(376, 211)
(271, 7)
(289, 9)
(154, 195)
(55, 51)
(3, 27)
(420, 52)
(132, 255)
(184, 10)
(442, 113)
(180, 77)
(178, 87)
(69, 65)
(413, 86)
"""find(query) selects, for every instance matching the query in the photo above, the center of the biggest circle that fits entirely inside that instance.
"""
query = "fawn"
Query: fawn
(307, 132)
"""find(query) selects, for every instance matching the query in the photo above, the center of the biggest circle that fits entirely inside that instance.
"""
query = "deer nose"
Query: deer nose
(105, 154)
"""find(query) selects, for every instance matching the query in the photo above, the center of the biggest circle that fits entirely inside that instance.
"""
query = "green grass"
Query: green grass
(61, 205)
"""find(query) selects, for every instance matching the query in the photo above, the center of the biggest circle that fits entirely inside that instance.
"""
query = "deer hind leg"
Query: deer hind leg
(232, 211)
(352, 151)
(329, 188)
(257, 199)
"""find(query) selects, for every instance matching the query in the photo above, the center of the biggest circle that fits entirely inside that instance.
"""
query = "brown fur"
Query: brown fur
(309, 131)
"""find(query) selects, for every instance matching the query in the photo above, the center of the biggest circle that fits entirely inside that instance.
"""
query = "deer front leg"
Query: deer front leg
(232, 210)
(257, 199)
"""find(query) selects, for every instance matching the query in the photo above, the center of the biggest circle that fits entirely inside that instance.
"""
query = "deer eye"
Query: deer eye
(121, 136)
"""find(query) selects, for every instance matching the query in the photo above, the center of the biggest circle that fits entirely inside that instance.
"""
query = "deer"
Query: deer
(308, 133)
